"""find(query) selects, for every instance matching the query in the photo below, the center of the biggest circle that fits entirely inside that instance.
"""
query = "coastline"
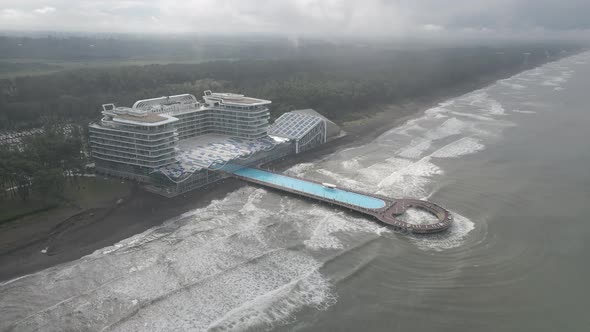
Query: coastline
(107, 223)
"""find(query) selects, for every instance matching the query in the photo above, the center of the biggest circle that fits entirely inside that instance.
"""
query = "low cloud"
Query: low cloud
(10, 14)
(432, 27)
(395, 18)
(44, 10)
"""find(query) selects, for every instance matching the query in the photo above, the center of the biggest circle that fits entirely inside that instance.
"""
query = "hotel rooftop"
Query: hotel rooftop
(128, 115)
(235, 99)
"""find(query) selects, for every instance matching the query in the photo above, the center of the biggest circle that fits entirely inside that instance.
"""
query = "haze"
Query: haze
(369, 18)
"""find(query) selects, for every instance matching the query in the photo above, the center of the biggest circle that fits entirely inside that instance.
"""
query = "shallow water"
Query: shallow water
(510, 161)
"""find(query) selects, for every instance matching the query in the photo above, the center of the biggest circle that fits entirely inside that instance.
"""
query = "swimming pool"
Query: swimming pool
(336, 194)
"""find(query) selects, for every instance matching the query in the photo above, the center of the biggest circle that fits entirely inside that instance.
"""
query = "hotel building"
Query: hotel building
(176, 143)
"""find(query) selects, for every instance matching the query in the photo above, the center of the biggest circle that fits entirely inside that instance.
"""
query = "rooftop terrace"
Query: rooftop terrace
(234, 99)
(148, 118)
(135, 116)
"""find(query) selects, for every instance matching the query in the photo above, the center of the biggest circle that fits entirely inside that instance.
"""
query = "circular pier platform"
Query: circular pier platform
(400, 206)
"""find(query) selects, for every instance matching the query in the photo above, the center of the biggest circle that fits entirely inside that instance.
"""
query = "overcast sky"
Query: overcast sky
(303, 17)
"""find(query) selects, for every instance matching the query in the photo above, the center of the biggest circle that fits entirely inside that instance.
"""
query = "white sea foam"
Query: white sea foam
(373, 174)
(483, 102)
(279, 306)
(416, 148)
(512, 85)
(351, 164)
(299, 169)
(397, 177)
(328, 224)
(408, 129)
(436, 110)
(418, 217)
(250, 207)
(263, 294)
(440, 116)
(461, 147)
(447, 103)
(4, 283)
(483, 117)
(495, 107)
(551, 82)
(556, 81)
(341, 180)
(450, 127)
(452, 238)
(409, 181)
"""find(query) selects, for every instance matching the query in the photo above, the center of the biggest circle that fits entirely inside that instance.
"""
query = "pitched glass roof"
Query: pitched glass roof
(293, 125)
(220, 149)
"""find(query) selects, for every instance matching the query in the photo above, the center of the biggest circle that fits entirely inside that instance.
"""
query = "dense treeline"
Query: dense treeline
(339, 84)
(42, 164)
(84, 48)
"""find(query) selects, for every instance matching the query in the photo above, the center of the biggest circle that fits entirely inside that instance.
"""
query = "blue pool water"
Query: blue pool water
(312, 188)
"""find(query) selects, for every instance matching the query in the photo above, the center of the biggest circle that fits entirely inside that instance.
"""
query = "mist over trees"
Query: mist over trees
(122, 47)
(340, 81)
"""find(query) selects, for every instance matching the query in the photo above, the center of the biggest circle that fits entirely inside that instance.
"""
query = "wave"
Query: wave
(461, 147)
(416, 148)
(454, 237)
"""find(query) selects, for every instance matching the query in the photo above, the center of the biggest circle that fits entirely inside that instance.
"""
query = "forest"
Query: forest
(39, 169)
(341, 82)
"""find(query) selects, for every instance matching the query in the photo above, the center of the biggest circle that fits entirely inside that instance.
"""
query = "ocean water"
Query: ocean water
(511, 161)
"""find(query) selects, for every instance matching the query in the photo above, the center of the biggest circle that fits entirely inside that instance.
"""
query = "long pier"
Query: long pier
(386, 210)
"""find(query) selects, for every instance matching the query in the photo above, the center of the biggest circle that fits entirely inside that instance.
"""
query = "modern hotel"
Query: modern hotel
(176, 143)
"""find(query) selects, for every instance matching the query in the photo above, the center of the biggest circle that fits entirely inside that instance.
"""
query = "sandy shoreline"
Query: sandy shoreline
(108, 222)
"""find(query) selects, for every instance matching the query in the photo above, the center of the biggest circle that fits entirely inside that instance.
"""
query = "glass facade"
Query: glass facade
(143, 138)
(243, 123)
(131, 145)
(306, 130)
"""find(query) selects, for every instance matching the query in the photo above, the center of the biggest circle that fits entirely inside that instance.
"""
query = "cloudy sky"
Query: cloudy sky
(301, 17)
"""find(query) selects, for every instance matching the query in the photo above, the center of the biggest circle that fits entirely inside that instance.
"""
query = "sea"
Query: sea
(511, 162)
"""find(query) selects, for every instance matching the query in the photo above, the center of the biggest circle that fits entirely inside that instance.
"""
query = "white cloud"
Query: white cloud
(432, 27)
(44, 10)
(11, 14)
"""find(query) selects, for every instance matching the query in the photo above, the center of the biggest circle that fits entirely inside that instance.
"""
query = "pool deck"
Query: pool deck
(387, 214)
